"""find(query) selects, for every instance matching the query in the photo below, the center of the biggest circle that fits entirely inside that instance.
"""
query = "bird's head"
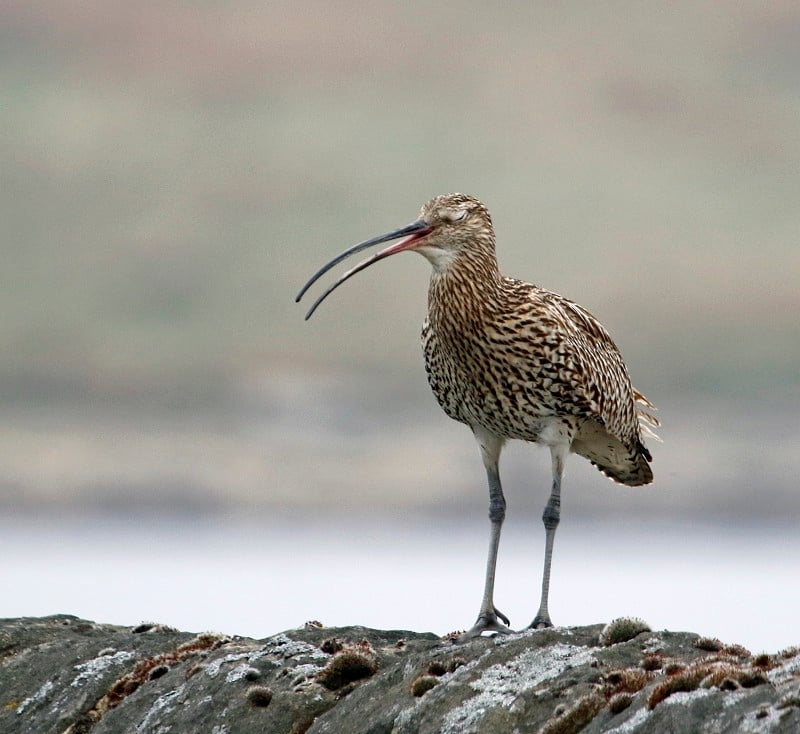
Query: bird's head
(459, 224)
(449, 226)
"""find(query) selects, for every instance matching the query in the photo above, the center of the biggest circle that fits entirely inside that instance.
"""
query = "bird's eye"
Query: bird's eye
(453, 215)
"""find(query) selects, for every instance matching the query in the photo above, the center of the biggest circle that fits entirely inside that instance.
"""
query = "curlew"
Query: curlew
(512, 360)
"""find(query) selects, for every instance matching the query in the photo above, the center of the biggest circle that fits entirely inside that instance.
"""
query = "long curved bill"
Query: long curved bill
(412, 232)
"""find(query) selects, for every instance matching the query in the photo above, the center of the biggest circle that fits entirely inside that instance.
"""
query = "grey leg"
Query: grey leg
(550, 517)
(489, 618)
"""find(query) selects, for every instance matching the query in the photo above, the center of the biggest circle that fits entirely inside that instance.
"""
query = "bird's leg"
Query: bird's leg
(550, 518)
(490, 619)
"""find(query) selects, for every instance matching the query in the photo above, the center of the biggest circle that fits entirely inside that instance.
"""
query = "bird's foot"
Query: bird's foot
(541, 621)
(494, 621)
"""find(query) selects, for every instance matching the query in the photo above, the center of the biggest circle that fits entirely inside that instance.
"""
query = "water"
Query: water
(253, 517)
(260, 575)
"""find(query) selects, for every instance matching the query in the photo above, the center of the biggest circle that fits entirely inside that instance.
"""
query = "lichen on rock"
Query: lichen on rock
(69, 676)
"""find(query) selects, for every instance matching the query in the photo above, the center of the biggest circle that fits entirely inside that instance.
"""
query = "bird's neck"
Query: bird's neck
(465, 291)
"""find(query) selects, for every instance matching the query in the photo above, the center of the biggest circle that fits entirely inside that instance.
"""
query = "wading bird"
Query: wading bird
(514, 361)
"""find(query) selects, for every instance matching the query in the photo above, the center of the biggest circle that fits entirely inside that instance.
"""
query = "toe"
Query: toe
(501, 616)
(485, 623)
(541, 621)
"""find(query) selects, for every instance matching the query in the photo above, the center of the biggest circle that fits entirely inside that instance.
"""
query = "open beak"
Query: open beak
(413, 233)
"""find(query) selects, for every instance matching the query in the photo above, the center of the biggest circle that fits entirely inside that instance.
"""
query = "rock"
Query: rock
(63, 675)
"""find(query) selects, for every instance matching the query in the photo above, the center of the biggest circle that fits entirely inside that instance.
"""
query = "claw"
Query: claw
(487, 623)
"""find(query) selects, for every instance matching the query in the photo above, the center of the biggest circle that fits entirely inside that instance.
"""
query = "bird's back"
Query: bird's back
(519, 358)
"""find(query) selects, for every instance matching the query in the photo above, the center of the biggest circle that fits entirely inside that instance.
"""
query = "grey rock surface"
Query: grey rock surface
(64, 675)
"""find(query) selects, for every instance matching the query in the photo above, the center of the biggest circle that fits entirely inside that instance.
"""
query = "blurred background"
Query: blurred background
(176, 443)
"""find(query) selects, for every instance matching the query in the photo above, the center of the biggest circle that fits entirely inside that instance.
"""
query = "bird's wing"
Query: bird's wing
(601, 379)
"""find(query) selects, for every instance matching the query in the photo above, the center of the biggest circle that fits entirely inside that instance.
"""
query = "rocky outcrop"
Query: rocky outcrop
(63, 675)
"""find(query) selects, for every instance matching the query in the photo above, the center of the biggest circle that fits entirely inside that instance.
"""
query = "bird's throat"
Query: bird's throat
(461, 298)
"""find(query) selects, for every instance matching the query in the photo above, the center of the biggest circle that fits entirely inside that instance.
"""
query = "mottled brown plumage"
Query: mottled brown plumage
(513, 357)
(515, 361)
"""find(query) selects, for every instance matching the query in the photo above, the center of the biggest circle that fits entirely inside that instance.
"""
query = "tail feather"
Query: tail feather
(623, 464)
(647, 421)
(635, 472)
